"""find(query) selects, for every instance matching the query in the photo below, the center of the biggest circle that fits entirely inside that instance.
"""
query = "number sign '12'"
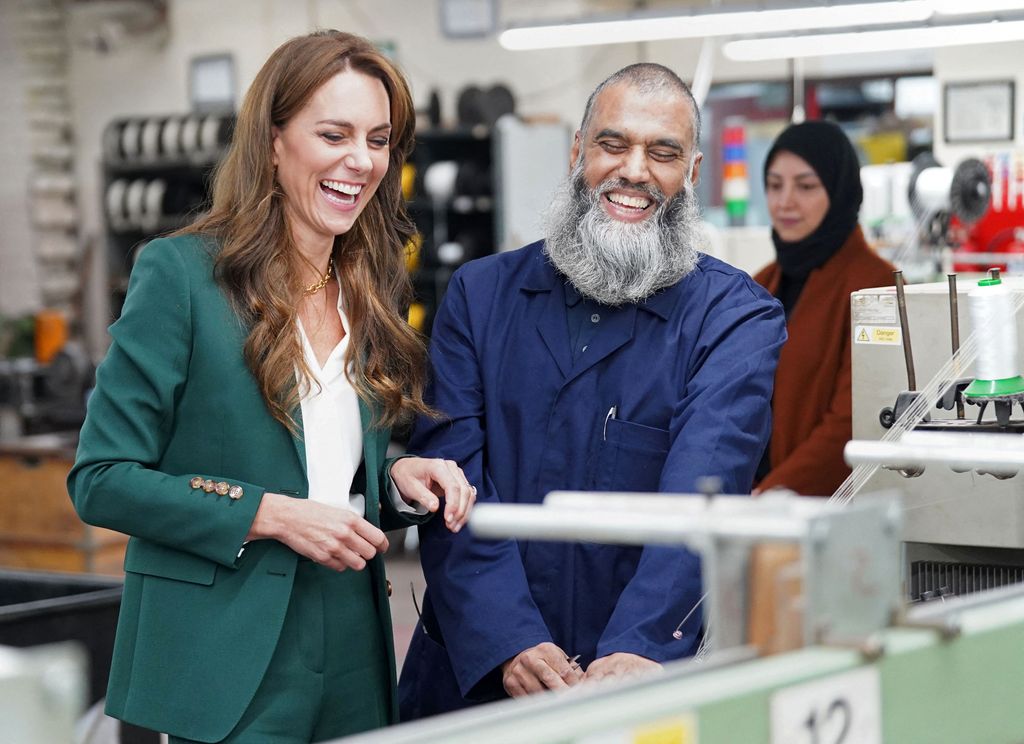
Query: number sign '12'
(840, 709)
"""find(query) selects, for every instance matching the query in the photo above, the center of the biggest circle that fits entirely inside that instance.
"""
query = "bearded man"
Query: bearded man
(613, 356)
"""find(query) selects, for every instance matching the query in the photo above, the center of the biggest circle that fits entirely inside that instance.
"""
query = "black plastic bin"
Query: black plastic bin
(38, 607)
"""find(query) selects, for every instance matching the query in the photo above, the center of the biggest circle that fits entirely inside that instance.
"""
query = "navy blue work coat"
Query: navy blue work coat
(689, 372)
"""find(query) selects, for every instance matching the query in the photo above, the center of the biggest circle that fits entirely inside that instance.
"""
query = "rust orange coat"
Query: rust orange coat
(811, 408)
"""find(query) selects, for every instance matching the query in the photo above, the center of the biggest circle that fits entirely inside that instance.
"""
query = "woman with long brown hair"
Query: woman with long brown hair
(239, 423)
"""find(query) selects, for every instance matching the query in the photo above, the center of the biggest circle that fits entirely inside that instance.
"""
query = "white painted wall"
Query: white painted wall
(1004, 61)
(143, 77)
(149, 75)
(19, 290)
(148, 78)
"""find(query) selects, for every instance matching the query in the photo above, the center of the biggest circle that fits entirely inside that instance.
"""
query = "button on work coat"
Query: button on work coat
(689, 373)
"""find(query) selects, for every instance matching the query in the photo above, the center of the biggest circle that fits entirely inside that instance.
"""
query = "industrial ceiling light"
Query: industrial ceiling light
(968, 7)
(863, 42)
(775, 20)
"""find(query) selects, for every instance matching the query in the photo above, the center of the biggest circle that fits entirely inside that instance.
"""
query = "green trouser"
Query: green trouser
(328, 677)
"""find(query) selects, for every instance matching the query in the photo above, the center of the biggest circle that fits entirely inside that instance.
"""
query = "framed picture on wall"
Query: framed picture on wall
(211, 83)
(468, 19)
(981, 111)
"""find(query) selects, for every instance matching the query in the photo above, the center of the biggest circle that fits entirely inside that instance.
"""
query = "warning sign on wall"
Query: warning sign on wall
(865, 334)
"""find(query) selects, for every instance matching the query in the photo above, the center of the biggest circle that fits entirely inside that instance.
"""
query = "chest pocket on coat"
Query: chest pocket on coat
(630, 457)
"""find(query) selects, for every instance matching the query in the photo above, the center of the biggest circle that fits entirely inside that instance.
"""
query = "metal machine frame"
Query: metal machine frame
(899, 684)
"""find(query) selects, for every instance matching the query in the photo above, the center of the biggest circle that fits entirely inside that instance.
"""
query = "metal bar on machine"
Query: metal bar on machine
(930, 394)
(536, 522)
(908, 354)
(954, 333)
(983, 259)
(683, 503)
(952, 607)
(959, 450)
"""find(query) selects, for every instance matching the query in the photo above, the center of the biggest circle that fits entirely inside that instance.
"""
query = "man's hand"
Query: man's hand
(543, 667)
(620, 665)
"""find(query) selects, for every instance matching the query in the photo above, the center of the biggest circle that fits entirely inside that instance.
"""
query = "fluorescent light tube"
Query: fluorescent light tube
(968, 7)
(819, 45)
(714, 24)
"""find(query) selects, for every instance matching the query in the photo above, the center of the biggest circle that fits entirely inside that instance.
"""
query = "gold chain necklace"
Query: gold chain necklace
(317, 286)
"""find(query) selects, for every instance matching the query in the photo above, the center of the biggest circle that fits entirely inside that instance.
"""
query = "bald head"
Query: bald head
(626, 222)
(650, 79)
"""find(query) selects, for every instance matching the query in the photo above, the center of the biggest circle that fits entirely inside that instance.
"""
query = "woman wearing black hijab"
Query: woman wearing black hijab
(813, 189)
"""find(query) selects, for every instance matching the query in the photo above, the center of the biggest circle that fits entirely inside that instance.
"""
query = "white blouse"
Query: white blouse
(333, 430)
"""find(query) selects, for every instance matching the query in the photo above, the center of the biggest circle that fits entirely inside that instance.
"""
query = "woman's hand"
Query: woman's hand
(423, 481)
(329, 535)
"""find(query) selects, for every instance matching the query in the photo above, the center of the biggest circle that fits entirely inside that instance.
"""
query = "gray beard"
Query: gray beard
(616, 262)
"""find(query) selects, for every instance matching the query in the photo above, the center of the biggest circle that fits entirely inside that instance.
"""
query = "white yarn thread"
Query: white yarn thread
(992, 313)
(925, 402)
(929, 395)
(932, 188)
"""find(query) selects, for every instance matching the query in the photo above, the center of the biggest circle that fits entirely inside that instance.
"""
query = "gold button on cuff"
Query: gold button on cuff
(208, 486)
(235, 492)
(221, 488)
(196, 482)
(388, 582)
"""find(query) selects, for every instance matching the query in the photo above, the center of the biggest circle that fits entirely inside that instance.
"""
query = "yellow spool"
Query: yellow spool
(408, 181)
(417, 316)
(412, 253)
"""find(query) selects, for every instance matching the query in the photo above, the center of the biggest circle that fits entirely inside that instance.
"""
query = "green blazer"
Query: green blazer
(174, 400)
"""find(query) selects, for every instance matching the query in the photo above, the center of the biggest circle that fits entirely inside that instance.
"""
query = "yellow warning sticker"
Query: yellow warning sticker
(888, 335)
(679, 729)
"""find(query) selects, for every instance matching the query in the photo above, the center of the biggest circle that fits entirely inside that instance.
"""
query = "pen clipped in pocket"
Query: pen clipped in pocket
(630, 456)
